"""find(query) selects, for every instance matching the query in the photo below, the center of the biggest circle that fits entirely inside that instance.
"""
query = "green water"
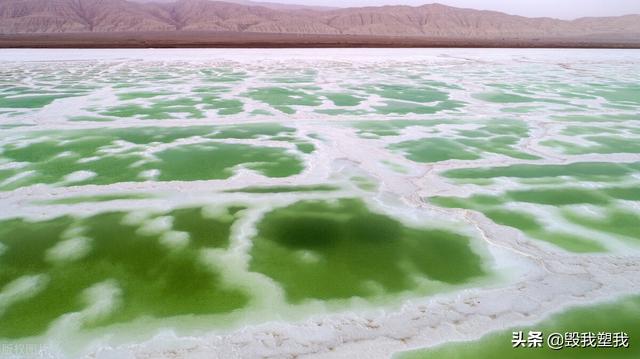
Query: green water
(493, 208)
(140, 94)
(622, 222)
(503, 98)
(283, 98)
(616, 186)
(216, 161)
(369, 129)
(619, 316)
(343, 99)
(32, 101)
(161, 110)
(151, 275)
(405, 108)
(248, 131)
(601, 144)
(98, 198)
(496, 136)
(329, 250)
(89, 119)
(198, 192)
(51, 157)
(587, 171)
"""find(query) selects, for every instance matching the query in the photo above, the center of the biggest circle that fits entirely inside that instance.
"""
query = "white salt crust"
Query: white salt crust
(538, 279)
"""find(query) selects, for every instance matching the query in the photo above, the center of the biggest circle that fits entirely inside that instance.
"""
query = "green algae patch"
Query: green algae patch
(501, 97)
(557, 197)
(34, 101)
(516, 219)
(422, 94)
(292, 76)
(217, 161)
(97, 198)
(343, 99)
(570, 242)
(251, 131)
(224, 106)
(89, 119)
(405, 108)
(222, 75)
(259, 112)
(576, 130)
(434, 150)
(210, 89)
(149, 269)
(601, 144)
(625, 94)
(496, 136)
(335, 250)
(595, 118)
(339, 111)
(204, 230)
(158, 110)
(283, 98)
(624, 193)
(611, 220)
(134, 95)
(503, 145)
(9, 126)
(392, 127)
(305, 147)
(493, 208)
(520, 109)
(585, 171)
(100, 157)
(616, 317)
(616, 221)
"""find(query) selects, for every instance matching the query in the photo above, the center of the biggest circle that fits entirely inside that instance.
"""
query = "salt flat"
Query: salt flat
(311, 203)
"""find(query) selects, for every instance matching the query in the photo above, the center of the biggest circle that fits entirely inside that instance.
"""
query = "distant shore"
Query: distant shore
(199, 39)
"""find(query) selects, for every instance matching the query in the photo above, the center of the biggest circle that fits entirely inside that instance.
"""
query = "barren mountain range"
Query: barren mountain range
(431, 20)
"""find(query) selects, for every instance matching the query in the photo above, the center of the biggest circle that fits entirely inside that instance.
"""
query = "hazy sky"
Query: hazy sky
(566, 9)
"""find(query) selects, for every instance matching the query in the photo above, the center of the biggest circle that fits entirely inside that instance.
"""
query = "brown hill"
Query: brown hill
(433, 20)
(268, 4)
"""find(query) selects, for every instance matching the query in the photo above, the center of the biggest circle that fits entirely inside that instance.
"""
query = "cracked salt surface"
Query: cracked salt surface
(531, 278)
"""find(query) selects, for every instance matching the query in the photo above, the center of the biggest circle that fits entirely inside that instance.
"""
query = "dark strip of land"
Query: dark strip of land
(192, 39)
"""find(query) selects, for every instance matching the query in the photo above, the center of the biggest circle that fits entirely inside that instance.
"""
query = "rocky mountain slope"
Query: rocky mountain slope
(432, 20)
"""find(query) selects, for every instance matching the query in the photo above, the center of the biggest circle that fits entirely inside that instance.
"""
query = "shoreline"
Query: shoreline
(206, 39)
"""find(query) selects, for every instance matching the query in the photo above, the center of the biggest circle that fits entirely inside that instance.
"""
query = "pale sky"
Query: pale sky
(565, 9)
